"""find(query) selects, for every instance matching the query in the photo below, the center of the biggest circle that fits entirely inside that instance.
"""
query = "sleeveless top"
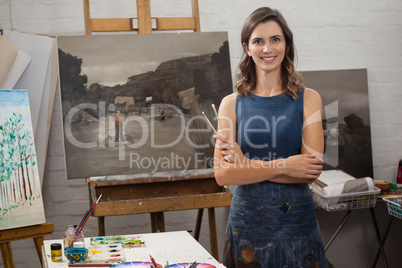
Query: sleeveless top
(272, 224)
(270, 128)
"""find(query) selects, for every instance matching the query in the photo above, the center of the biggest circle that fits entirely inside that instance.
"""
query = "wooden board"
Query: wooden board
(36, 232)
(144, 21)
(157, 193)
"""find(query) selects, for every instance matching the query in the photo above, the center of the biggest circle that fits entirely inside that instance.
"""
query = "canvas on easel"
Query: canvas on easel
(346, 119)
(132, 103)
(21, 202)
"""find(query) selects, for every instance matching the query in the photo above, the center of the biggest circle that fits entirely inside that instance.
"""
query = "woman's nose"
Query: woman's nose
(266, 48)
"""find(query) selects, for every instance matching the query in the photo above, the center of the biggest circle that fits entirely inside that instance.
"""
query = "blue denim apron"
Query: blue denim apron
(272, 224)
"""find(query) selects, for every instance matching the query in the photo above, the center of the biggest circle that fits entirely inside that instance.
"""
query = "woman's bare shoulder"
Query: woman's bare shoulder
(312, 102)
(230, 98)
(311, 94)
(228, 104)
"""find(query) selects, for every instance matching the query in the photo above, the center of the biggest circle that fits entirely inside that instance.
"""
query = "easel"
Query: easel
(156, 194)
(37, 232)
(145, 23)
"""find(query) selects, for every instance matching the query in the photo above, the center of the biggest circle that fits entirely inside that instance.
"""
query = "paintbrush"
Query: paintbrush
(82, 221)
(210, 123)
(89, 214)
(194, 265)
(91, 264)
(217, 116)
(153, 262)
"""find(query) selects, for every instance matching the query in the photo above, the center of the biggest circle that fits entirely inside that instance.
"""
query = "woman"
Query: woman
(118, 127)
(270, 146)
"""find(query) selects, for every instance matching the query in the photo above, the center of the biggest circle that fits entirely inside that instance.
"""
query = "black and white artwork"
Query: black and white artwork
(132, 104)
(346, 119)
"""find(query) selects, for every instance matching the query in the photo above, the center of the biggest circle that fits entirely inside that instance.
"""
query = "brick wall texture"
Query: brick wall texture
(329, 35)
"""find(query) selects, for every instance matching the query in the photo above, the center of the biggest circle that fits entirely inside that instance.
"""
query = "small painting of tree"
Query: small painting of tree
(20, 194)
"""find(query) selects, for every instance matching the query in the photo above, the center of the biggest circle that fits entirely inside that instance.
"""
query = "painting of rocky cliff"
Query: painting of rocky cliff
(132, 104)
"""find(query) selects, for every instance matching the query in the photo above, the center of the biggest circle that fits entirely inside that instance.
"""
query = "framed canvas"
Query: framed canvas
(346, 119)
(21, 201)
(132, 104)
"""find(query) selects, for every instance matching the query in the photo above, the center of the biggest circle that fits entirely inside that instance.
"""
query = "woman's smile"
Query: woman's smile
(268, 59)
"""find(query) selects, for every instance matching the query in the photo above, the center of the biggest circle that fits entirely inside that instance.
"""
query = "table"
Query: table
(394, 212)
(349, 202)
(158, 193)
(174, 247)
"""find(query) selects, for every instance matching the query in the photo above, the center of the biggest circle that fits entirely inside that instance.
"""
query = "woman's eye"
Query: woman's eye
(257, 42)
(276, 39)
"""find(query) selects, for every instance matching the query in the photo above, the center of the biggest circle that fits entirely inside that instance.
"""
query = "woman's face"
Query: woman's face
(267, 46)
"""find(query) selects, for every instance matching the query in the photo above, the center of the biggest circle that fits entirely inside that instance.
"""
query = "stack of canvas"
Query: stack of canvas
(29, 62)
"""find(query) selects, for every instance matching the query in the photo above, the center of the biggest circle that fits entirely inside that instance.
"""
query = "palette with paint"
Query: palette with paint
(144, 264)
(105, 254)
(137, 264)
(188, 264)
(124, 240)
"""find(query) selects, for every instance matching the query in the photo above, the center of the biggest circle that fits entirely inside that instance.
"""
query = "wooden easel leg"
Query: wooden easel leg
(37, 232)
(101, 226)
(38, 241)
(87, 18)
(198, 224)
(7, 255)
(157, 222)
(212, 233)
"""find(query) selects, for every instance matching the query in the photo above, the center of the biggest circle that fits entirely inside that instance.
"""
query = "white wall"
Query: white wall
(329, 35)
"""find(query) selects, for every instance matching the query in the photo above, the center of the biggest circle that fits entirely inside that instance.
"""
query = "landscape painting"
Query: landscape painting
(346, 119)
(133, 103)
(21, 201)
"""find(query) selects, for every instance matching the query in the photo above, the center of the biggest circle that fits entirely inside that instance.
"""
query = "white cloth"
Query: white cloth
(352, 186)
(329, 196)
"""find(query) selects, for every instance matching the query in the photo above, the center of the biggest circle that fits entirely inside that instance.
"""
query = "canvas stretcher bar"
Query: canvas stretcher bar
(144, 21)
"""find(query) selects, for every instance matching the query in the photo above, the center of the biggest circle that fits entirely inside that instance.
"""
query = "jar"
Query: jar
(55, 250)
(70, 237)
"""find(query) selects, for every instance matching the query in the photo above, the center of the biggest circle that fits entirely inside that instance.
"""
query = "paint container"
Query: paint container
(78, 244)
(55, 250)
(70, 237)
(394, 189)
(382, 185)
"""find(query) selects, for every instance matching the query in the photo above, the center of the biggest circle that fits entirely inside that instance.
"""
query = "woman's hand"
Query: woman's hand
(231, 151)
(303, 166)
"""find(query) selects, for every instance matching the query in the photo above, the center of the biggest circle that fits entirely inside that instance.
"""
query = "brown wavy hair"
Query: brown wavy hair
(291, 79)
